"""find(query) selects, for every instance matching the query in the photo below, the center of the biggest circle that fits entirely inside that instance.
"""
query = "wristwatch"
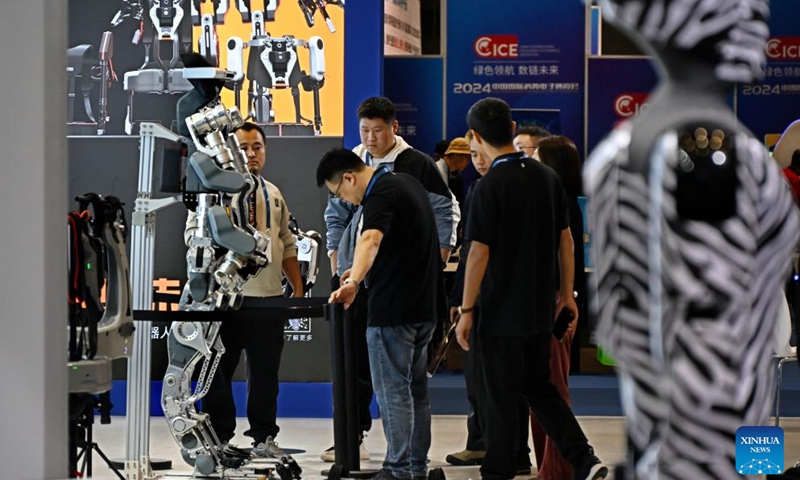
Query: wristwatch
(349, 281)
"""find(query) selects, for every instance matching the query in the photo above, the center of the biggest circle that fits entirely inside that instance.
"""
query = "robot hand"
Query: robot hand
(130, 9)
(308, 243)
(310, 7)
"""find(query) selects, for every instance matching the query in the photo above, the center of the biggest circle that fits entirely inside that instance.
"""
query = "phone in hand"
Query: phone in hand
(562, 322)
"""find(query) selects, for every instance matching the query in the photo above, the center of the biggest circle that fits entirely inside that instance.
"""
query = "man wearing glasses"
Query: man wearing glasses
(396, 265)
(527, 139)
(382, 149)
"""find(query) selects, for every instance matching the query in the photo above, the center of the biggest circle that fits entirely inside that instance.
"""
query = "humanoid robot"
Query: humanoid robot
(224, 252)
(693, 229)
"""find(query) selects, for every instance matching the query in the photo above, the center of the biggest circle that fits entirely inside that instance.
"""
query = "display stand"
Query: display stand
(138, 464)
(344, 379)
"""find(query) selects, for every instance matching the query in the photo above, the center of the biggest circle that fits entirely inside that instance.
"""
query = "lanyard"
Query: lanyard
(266, 200)
(508, 157)
(375, 176)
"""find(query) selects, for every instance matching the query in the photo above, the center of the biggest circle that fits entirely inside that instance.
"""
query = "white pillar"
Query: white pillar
(33, 191)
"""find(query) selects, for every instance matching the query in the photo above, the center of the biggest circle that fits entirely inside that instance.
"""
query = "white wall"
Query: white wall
(33, 181)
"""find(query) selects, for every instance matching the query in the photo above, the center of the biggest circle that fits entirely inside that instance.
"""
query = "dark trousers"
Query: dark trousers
(514, 366)
(262, 341)
(357, 313)
(475, 440)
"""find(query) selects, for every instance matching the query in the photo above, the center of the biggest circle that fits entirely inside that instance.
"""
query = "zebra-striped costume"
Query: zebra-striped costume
(694, 356)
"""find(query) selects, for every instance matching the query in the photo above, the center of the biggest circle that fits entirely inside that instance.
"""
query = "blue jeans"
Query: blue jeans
(398, 357)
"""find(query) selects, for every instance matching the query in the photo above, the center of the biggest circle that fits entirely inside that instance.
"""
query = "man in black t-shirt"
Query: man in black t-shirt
(517, 221)
(398, 259)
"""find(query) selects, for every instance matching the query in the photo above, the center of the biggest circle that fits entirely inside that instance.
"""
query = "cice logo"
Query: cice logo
(497, 46)
(759, 450)
(784, 48)
(630, 104)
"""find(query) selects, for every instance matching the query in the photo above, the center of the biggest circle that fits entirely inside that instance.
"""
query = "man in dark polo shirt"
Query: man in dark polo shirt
(517, 221)
(398, 259)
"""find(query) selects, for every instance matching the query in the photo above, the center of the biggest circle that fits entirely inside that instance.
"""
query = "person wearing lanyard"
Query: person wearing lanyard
(262, 341)
(381, 148)
(397, 257)
(519, 198)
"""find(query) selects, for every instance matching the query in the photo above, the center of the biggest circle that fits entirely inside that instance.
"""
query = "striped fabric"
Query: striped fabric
(688, 308)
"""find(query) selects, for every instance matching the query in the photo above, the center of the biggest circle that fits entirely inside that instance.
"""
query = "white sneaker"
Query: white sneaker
(329, 455)
(268, 449)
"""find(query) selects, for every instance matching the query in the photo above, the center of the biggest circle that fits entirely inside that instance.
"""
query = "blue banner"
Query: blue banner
(530, 54)
(414, 85)
(770, 107)
(618, 90)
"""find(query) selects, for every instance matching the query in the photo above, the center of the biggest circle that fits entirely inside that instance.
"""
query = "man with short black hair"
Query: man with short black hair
(527, 139)
(518, 219)
(397, 261)
(382, 149)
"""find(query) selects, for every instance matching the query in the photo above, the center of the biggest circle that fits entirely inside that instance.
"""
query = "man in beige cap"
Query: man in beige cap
(455, 160)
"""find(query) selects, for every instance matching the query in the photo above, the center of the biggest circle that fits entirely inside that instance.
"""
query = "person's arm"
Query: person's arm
(366, 250)
(445, 207)
(477, 262)
(447, 214)
(291, 269)
(337, 216)
(333, 255)
(566, 268)
(289, 264)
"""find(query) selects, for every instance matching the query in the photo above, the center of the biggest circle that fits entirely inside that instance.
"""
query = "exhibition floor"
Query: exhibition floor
(605, 433)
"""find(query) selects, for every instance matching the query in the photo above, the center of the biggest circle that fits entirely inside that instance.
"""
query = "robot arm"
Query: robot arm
(307, 243)
(220, 183)
(316, 59)
(235, 47)
(310, 7)
(208, 41)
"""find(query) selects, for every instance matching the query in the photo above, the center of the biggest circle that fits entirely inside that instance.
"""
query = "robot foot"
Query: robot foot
(283, 472)
(292, 466)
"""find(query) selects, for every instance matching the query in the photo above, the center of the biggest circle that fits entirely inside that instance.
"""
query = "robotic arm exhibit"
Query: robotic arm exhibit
(159, 21)
(224, 251)
(98, 333)
(307, 243)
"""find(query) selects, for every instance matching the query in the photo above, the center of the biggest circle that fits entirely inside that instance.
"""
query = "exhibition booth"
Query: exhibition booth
(299, 70)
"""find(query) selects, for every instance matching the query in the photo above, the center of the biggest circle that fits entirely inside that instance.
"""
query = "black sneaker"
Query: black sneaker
(591, 469)
(384, 474)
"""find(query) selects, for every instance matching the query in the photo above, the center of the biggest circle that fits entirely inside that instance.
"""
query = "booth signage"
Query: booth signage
(530, 54)
(419, 110)
(618, 90)
(770, 107)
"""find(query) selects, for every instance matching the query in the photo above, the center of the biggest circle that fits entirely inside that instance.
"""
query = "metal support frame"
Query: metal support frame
(344, 382)
(137, 448)
(779, 382)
